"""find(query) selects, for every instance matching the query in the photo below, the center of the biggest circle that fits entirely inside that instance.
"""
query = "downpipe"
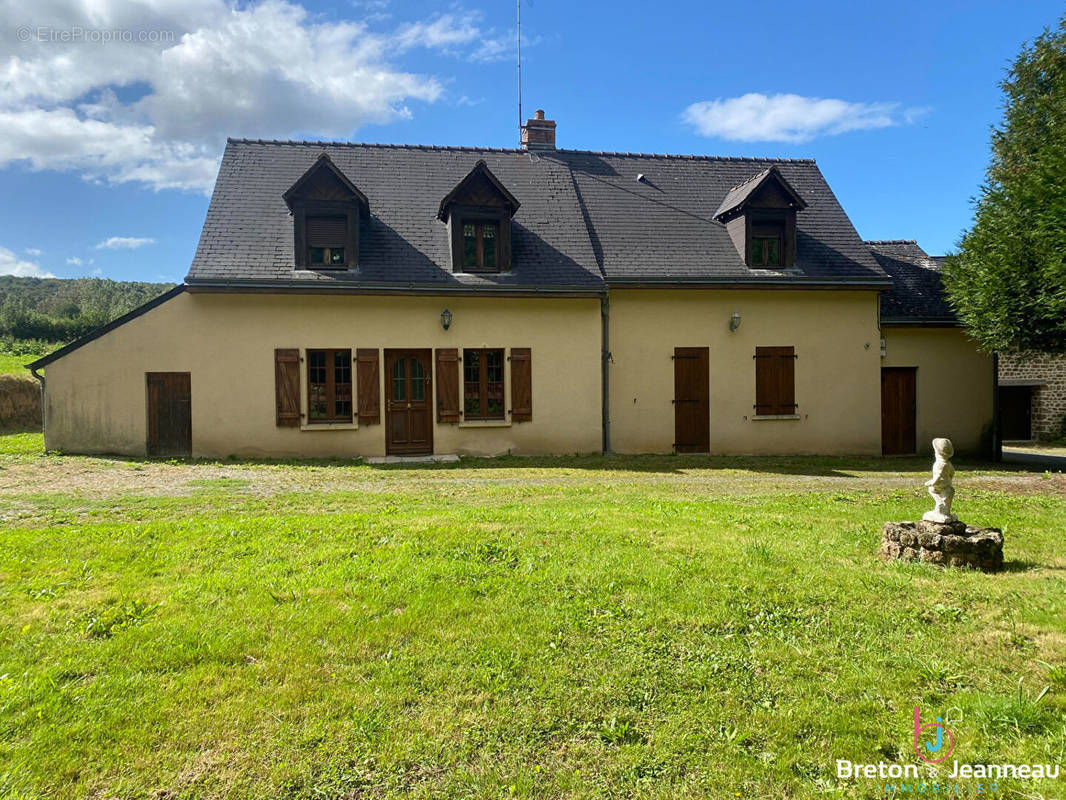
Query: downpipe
(607, 360)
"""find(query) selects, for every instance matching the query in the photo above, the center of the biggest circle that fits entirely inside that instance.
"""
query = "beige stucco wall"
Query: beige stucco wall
(953, 384)
(837, 368)
(96, 396)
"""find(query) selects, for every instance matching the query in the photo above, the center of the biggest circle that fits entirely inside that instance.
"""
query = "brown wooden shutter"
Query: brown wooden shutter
(287, 387)
(521, 384)
(447, 384)
(327, 231)
(369, 386)
(775, 380)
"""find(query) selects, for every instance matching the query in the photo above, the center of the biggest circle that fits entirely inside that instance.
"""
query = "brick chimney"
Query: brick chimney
(538, 133)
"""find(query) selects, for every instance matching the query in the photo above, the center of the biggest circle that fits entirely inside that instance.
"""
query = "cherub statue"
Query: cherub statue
(940, 484)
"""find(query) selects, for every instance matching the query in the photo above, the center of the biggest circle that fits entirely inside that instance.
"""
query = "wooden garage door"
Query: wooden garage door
(169, 414)
(692, 390)
(898, 411)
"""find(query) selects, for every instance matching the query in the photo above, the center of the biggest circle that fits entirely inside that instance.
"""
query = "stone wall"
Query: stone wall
(952, 544)
(1049, 398)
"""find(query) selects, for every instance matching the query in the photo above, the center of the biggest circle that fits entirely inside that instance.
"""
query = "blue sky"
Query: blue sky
(109, 137)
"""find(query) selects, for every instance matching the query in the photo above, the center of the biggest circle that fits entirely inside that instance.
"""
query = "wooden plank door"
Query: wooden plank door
(169, 414)
(1015, 413)
(408, 408)
(692, 400)
(898, 411)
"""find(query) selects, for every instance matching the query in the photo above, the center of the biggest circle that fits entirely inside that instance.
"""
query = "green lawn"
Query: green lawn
(662, 627)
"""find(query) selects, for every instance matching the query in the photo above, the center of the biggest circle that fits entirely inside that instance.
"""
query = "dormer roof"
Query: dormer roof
(747, 192)
(479, 188)
(324, 181)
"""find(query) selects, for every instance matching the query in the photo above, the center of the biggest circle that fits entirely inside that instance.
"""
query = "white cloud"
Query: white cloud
(11, 265)
(32, 251)
(788, 117)
(75, 261)
(124, 243)
(97, 272)
(443, 32)
(157, 112)
(501, 47)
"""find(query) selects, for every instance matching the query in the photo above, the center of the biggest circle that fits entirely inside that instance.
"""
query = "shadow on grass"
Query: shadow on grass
(812, 466)
(1024, 565)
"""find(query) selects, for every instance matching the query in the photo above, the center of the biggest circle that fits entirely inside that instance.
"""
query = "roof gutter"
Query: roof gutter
(726, 283)
(921, 322)
(302, 287)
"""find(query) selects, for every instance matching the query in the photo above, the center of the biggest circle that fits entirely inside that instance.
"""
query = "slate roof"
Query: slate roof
(584, 219)
(917, 293)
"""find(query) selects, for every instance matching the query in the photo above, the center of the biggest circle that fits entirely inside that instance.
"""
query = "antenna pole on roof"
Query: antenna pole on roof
(518, 42)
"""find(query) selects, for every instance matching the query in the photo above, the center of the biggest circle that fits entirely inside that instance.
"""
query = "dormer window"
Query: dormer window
(480, 240)
(478, 213)
(760, 217)
(327, 210)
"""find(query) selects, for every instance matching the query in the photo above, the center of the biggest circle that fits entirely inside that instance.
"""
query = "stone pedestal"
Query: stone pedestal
(952, 544)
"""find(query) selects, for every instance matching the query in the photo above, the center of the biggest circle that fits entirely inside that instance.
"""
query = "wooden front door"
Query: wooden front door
(169, 414)
(1015, 413)
(898, 411)
(408, 389)
(692, 404)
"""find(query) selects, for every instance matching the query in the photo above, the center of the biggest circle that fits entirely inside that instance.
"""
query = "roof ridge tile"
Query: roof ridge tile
(468, 148)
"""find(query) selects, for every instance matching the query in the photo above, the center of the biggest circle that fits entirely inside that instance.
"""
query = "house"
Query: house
(361, 300)
(927, 362)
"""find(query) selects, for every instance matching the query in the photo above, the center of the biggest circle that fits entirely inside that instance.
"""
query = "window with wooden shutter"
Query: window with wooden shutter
(483, 386)
(369, 384)
(329, 386)
(447, 384)
(775, 381)
(287, 387)
(521, 384)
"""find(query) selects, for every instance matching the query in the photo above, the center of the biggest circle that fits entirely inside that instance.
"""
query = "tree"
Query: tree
(1008, 280)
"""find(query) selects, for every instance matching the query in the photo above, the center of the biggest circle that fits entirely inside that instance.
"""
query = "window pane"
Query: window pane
(472, 383)
(336, 255)
(342, 384)
(418, 380)
(399, 382)
(494, 384)
(757, 252)
(318, 255)
(773, 254)
(469, 245)
(317, 404)
(488, 236)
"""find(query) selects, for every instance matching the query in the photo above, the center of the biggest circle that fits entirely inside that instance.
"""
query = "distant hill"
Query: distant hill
(62, 309)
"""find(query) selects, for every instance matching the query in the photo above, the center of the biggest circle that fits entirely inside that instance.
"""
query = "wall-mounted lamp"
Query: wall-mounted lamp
(446, 319)
(734, 321)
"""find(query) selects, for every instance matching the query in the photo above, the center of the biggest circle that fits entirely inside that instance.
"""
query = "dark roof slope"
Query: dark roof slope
(248, 236)
(584, 217)
(917, 293)
(662, 228)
